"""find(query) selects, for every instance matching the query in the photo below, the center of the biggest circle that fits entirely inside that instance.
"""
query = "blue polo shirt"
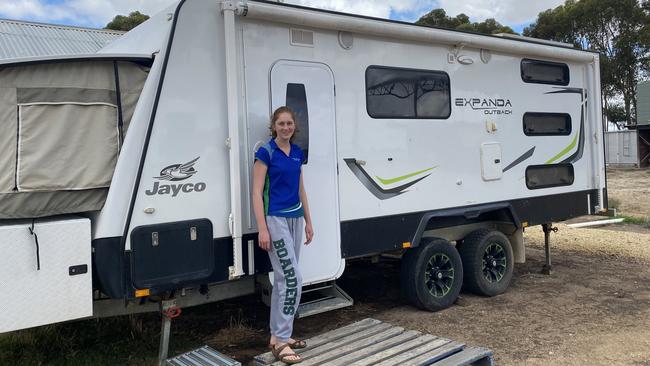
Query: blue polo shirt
(282, 187)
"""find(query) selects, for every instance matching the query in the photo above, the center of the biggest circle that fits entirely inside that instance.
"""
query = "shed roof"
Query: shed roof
(27, 39)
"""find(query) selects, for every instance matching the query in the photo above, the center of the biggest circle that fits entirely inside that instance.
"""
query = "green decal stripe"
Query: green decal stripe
(395, 180)
(566, 150)
(267, 184)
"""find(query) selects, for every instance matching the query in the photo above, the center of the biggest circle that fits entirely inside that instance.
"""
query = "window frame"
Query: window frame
(440, 72)
(542, 114)
(565, 68)
(549, 166)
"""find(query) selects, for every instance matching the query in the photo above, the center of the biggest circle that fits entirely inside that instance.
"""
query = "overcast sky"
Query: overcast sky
(97, 13)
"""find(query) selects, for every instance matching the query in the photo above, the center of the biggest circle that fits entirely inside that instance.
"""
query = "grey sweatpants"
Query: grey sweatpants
(286, 240)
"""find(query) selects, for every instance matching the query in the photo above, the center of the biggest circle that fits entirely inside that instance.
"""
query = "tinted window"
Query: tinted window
(544, 72)
(545, 176)
(297, 100)
(407, 93)
(546, 124)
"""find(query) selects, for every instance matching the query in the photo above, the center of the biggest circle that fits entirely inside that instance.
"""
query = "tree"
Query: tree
(439, 18)
(616, 114)
(618, 29)
(126, 23)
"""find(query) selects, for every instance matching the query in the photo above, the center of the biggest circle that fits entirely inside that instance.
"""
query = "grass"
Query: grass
(110, 341)
(634, 220)
(126, 340)
(642, 221)
(134, 340)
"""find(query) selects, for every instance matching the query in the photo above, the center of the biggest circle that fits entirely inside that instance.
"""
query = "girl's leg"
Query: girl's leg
(287, 282)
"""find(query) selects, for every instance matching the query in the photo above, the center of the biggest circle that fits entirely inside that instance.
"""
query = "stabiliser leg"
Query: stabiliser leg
(168, 311)
(548, 228)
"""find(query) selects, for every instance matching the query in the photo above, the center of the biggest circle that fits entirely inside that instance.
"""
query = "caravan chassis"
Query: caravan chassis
(449, 224)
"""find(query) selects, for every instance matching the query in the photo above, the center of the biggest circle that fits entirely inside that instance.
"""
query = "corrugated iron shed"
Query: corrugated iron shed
(27, 39)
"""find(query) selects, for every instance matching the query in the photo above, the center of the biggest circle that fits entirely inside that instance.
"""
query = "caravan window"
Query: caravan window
(547, 124)
(551, 175)
(407, 93)
(544, 72)
(297, 101)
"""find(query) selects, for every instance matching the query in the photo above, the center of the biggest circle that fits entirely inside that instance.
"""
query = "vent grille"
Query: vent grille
(301, 37)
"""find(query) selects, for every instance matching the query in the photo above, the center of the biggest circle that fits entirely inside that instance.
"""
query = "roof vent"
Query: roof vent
(300, 37)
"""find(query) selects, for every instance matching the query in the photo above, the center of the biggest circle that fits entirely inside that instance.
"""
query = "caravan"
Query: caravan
(126, 174)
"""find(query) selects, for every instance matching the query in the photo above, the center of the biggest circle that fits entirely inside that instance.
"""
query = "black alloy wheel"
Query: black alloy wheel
(488, 262)
(432, 274)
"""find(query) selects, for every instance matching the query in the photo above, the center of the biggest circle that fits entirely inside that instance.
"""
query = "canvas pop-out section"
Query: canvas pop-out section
(61, 128)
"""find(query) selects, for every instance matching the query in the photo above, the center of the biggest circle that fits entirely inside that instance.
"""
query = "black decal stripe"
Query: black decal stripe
(577, 155)
(372, 186)
(151, 121)
(520, 159)
(566, 91)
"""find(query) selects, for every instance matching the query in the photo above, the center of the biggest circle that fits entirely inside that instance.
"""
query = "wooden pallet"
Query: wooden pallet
(372, 342)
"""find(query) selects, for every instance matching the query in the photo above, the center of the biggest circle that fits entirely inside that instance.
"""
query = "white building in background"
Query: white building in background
(20, 39)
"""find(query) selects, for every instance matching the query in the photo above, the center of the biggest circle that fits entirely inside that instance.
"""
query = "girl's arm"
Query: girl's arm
(259, 176)
(309, 230)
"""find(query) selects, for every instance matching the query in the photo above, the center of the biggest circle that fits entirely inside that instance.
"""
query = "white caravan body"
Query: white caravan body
(409, 131)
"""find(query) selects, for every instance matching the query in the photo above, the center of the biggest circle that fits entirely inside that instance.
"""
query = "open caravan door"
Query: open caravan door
(308, 89)
(61, 127)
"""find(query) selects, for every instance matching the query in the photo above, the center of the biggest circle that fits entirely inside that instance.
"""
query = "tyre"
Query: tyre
(432, 274)
(487, 262)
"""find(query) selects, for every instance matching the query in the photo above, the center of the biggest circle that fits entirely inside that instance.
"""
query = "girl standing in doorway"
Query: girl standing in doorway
(281, 211)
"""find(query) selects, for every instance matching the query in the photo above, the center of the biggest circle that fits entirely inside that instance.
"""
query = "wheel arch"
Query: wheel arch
(455, 223)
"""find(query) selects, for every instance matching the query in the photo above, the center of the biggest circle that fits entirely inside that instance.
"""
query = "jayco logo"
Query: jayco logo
(176, 172)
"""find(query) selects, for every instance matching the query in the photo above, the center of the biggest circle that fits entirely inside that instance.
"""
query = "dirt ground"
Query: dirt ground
(629, 191)
(593, 310)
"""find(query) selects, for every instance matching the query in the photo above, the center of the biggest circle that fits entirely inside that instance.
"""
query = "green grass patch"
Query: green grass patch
(125, 340)
(134, 339)
(643, 221)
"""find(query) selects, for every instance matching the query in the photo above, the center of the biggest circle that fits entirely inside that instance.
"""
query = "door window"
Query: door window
(297, 101)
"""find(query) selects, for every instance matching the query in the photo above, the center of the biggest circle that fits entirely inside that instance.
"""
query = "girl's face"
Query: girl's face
(284, 126)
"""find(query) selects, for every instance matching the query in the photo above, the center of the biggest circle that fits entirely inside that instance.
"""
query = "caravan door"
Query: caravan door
(308, 88)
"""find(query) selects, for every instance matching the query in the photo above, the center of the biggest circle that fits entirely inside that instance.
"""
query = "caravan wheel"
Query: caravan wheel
(487, 261)
(432, 274)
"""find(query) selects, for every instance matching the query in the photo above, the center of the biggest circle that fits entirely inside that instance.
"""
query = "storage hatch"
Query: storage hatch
(46, 283)
(491, 161)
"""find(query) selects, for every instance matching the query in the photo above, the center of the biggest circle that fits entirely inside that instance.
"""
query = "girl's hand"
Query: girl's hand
(264, 240)
(309, 233)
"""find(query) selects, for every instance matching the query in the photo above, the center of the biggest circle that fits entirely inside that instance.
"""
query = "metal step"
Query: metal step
(315, 299)
(204, 356)
(330, 297)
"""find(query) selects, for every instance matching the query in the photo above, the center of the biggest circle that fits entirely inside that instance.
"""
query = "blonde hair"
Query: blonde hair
(276, 115)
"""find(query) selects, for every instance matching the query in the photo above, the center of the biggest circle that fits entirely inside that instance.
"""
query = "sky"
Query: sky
(97, 13)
